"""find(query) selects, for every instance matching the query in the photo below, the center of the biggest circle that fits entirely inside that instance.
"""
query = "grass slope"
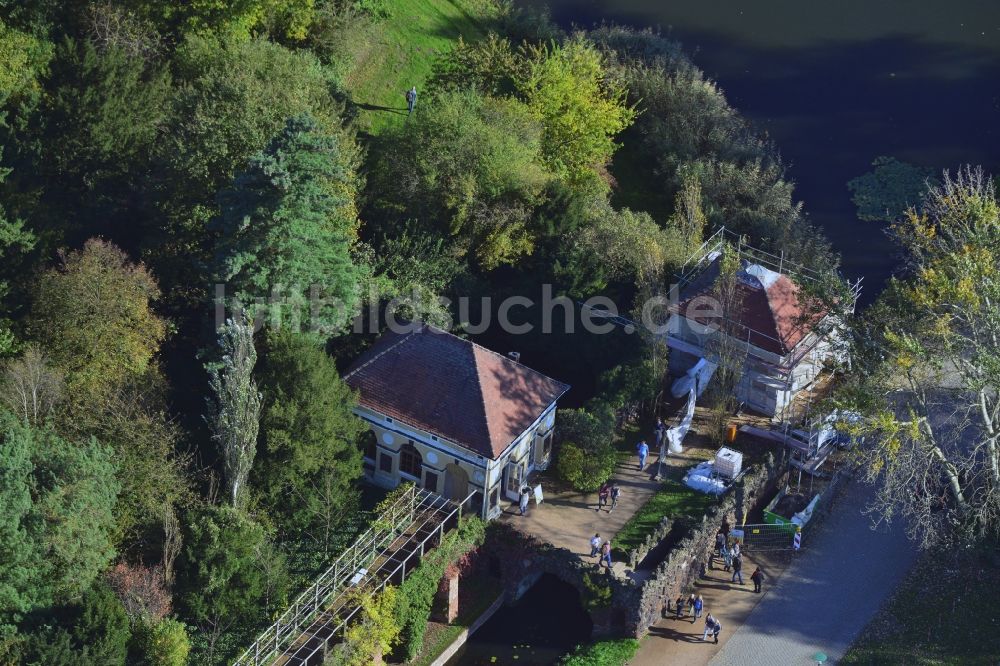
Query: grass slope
(400, 51)
(944, 612)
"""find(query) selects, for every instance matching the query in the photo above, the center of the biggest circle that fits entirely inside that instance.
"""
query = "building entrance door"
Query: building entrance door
(456, 482)
(516, 474)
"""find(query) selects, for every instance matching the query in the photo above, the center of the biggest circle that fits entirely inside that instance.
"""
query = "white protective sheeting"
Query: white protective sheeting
(697, 378)
(702, 478)
(676, 434)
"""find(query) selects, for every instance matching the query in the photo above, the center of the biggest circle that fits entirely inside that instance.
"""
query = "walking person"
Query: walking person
(595, 545)
(709, 626)
(699, 604)
(523, 502)
(716, 630)
(758, 578)
(727, 558)
(616, 492)
(643, 450)
(602, 495)
(720, 544)
(679, 606)
(738, 569)
(411, 100)
(691, 600)
(659, 432)
(606, 553)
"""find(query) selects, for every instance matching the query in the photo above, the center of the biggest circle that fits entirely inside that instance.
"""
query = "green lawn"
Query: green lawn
(944, 612)
(673, 499)
(399, 51)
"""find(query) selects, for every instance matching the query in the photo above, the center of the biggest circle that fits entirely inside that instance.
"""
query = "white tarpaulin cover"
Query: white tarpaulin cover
(697, 377)
(676, 434)
(700, 477)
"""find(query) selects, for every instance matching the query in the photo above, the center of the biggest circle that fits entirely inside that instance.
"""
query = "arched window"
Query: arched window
(410, 461)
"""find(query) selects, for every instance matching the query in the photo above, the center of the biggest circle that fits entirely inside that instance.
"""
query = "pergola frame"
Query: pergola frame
(381, 555)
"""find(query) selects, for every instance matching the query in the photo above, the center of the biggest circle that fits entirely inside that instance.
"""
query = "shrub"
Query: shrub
(586, 469)
(140, 590)
(164, 643)
(598, 593)
(589, 428)
(604, 653)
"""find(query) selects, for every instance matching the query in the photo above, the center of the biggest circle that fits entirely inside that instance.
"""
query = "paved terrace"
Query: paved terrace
(568, 518)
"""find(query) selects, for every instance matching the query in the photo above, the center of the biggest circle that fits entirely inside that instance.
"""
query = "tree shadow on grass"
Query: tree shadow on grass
(375, 107)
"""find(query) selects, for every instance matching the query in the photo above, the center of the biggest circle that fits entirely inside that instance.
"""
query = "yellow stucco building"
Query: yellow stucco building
(452, 416)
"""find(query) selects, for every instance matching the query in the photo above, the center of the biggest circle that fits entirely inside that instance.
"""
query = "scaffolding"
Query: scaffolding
(394, 544)
(783, 369)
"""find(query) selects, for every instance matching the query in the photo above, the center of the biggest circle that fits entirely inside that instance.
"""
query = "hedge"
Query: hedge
(416, 594)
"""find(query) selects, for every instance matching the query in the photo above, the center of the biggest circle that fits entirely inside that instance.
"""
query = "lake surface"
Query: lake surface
(837, 84)
(545, 624)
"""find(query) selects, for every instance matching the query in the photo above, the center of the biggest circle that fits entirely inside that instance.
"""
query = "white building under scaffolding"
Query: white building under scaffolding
(784, 337)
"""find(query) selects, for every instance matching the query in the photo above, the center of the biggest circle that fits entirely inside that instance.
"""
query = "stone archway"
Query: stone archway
(456, 482)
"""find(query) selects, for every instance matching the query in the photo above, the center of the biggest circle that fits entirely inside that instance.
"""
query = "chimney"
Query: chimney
(515, 356)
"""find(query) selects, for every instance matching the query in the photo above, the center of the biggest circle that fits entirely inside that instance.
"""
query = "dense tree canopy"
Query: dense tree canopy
(309, 457)
(222, 577)
(57, 522)
(471, 166)
(96, 133)
(287, 227)
(580, 106)
(171, 146)
(93, 315)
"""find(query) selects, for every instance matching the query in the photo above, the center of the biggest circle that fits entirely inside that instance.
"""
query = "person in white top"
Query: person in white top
(595, 545)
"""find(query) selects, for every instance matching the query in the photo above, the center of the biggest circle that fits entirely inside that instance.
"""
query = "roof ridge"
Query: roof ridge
(482, 396)
(379, 355)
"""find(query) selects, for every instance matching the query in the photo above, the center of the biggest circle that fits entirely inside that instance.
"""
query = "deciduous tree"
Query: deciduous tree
(469, 166)
(929, 359)
(93, 315)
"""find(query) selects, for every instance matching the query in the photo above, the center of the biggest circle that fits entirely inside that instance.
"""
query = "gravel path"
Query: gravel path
(827, 596)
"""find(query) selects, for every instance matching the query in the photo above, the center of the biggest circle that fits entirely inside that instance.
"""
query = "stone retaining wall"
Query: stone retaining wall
(681, 567)
(520, 559)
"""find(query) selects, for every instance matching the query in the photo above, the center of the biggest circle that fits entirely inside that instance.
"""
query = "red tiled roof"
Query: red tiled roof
(768, 304)
(451, 387)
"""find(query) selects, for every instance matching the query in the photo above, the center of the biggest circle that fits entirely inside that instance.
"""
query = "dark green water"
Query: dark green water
(545, 624)
(837, 84)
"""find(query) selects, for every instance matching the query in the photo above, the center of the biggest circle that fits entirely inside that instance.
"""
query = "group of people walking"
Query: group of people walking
(610, 490)
(602, 548)
(732, 560)
(694, 605)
